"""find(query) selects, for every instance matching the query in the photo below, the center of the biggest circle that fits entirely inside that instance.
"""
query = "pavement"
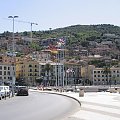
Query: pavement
(95, 106)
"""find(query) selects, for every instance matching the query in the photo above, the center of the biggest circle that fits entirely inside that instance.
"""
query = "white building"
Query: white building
(110, 78)
(7, 73)
(55, 75)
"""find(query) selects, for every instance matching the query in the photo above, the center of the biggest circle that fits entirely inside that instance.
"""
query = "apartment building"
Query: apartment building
(55, 75)
(72, 72)
(101, 77)
(7, 69)
(7, 73)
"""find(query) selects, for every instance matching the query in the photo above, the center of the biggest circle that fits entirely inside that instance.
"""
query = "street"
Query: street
(37, 106)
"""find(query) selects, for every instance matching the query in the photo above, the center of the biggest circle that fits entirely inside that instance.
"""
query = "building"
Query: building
(72, 73)
(7, 69)
(109, 77)
(7, 73)
(53, 76)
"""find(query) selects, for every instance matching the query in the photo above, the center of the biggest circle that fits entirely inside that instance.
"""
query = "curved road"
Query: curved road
(37, 106)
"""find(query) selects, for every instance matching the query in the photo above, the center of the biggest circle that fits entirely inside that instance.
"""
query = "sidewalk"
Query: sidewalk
(96, 106)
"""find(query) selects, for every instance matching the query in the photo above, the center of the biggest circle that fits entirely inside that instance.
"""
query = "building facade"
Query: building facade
(7, 73)
(109, 77)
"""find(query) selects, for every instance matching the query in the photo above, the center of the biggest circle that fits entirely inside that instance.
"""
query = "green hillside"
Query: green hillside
(79, 32)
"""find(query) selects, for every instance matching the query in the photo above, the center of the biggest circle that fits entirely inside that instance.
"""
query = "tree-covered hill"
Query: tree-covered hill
(76, 34)
(100, 28)
(85, 31)
(76, 31)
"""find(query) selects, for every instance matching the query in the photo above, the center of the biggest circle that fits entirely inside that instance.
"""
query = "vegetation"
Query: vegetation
(39, 80)
(47, 69)
(80, 34)
(35, 46)
(107, 72)
(97, 63)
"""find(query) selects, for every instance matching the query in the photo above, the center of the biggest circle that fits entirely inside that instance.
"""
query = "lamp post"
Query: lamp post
(13, 50)
(74, 79)
(13, 17)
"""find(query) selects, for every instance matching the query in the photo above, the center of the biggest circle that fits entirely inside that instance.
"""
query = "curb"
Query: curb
(60, 94)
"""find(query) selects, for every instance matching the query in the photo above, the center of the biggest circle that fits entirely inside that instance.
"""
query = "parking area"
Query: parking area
(6, 92)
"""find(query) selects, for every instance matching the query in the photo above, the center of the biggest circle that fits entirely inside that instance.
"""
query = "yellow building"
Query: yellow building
(27, 70)
(19, 68)
(30, 71)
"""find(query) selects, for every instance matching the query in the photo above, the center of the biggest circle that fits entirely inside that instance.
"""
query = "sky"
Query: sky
(57, 13)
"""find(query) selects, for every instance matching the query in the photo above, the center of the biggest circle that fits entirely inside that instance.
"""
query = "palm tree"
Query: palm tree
(107, 73)
(47, 69)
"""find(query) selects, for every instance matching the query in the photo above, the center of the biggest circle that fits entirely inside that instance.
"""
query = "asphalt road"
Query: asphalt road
(37, 106)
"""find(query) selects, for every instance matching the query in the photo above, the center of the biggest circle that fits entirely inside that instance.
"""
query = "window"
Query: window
(4, 72)
(30, 70)
(98, 75)
(30, 74)
(0, 67)
(0, 72)
(8, 73)
(8, 68)
(35, 65)
(5, 68)
(30, 65)
(42, 66)
(98, 71)
(94, 75)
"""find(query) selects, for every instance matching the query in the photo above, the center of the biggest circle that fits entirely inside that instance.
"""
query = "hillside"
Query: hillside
(79, 32)
(76, 34)
(76, 31)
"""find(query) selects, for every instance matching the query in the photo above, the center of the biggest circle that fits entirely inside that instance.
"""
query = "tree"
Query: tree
(39, 80)
(107, 73)
(47, 69)
(35, 46)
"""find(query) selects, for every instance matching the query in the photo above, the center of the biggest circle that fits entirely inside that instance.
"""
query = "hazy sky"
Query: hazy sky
(58, 13)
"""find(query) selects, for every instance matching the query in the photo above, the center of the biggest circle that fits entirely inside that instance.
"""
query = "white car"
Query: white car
(4, 91)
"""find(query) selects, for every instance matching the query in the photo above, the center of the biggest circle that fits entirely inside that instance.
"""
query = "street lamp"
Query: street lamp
(74, 79)
(13, 17)
(13, 75)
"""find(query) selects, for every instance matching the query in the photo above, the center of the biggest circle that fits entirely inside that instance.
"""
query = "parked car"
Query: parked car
(4, 91)
(0, 96)
(22, 91)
